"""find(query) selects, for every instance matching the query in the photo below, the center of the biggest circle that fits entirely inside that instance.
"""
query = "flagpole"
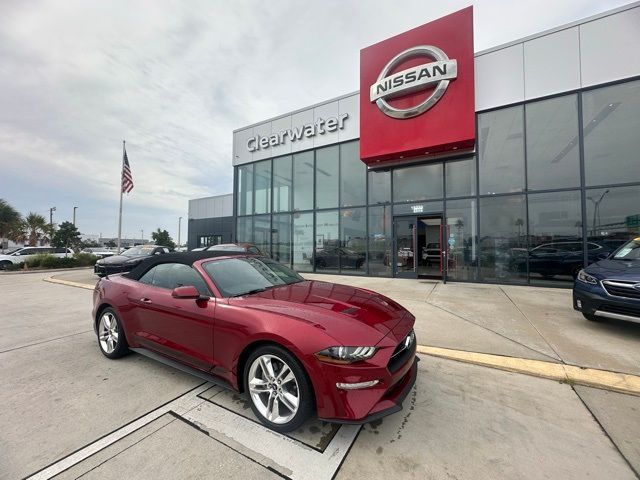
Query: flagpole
(120, 214)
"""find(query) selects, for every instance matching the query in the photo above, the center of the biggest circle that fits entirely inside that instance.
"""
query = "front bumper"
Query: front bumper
(108, 269)
(594, 300)
(391, 402)
(396, 376)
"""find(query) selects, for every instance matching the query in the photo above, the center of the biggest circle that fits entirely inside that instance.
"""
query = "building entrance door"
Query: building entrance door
(417, 247)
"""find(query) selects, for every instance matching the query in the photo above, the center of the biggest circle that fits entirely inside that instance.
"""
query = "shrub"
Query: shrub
(36, 261)
(15, 266)
(85, 259)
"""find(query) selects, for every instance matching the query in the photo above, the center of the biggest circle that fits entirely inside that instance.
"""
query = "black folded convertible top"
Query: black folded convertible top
(186, 258)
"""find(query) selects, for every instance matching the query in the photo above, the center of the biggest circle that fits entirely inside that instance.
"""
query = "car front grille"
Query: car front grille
(621, 288)
(405, 349)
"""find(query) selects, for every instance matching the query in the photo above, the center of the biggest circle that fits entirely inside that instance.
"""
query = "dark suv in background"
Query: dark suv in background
(610, 288)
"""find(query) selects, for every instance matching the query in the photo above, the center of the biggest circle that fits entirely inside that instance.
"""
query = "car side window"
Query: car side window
(253, 250)
(148, 277)
(184, 275)
(172, 275)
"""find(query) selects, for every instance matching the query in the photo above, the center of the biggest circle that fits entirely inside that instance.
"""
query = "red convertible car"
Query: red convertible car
(296, 347)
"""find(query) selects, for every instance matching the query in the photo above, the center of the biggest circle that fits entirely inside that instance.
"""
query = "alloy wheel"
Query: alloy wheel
(108, 332)
(273, 388)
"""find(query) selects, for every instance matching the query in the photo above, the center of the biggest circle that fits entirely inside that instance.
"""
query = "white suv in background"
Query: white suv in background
(21, 255)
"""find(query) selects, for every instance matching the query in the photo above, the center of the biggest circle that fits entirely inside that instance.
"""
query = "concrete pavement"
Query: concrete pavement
(61, 395)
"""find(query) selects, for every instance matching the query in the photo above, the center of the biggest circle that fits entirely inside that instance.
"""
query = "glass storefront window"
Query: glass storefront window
(245, 190)
(282, 182)
(303, 181)
(379, 187)
(501, 147)
(262, 233)
(462, 236)
(380, 241)
(327, 170)
(281, 238)
(303, 242)
(553, 153)
(421, 182)
(460, 178)
(327, 254)
(555, 238)
(611, 122)
(244, 229)
(353, 240)
(262, 186)
(353, 176)
(613, 217)
(503, 238)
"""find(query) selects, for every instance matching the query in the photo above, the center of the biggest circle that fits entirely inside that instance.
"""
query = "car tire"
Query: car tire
(4, 264)
(272, 401)
(320, 263)
(111, 337)
(592, 318)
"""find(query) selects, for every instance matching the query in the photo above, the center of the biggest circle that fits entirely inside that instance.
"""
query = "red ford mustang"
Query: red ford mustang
(296, 347)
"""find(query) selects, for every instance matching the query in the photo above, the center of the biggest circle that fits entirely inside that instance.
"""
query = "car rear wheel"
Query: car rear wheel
(5, 264)
(111, 337)
(279, 389)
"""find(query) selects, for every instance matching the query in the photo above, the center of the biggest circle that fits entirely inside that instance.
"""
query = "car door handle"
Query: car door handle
(146, 300)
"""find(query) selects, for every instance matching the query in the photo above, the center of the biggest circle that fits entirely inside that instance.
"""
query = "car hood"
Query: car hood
(353, 316)
(615, 269)
(118, 259)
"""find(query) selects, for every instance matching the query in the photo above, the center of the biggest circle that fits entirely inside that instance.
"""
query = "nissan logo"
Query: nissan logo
(413, 79)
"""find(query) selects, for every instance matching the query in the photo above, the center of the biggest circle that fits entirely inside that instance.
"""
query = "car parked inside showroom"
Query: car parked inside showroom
(22, 254)
(295, 347)
(610, 288)
(127, 259)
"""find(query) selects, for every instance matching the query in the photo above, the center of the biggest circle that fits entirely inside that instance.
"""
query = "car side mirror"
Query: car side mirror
(187, 292)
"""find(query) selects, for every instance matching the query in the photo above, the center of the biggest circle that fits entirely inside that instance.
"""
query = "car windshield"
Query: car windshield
(139, 250)
(629, 251)
(242, 276)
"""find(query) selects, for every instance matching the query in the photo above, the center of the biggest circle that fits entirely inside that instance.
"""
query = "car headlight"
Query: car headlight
(99, 262)
(344, 355)
(586, 278)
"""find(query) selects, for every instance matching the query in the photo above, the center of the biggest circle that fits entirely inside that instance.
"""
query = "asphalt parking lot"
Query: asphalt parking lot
(68, 412)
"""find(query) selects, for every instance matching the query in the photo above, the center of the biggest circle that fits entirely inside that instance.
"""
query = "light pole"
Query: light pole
(51, 210)
(596, 210)
(142, 235)
(74, 216)
(179, 228)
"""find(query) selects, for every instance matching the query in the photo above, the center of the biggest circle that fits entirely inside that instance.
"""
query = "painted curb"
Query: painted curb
(571, 374)
(69, 283)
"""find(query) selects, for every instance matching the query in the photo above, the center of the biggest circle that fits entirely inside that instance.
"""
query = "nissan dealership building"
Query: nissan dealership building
(516, 164)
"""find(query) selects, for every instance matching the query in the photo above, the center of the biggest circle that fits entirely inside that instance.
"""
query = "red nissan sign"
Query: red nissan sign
(417, 92)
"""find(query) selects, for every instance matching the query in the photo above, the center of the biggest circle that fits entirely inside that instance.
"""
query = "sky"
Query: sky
(175, 78)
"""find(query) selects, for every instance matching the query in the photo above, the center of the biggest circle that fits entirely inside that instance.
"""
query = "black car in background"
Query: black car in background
(127, 259)
(558, 259)
(610, 288)
(338, 257)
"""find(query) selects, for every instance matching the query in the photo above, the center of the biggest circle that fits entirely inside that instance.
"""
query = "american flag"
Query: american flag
(127, 179)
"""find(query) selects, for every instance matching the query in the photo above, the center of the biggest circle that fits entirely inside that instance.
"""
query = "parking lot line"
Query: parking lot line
(591, 377)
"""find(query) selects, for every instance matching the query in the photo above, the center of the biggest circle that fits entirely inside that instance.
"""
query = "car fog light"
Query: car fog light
(579, 303)
(356, 386)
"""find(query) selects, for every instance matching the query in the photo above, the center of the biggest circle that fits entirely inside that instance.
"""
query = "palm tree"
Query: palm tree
(36, 229)
(10, 218)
